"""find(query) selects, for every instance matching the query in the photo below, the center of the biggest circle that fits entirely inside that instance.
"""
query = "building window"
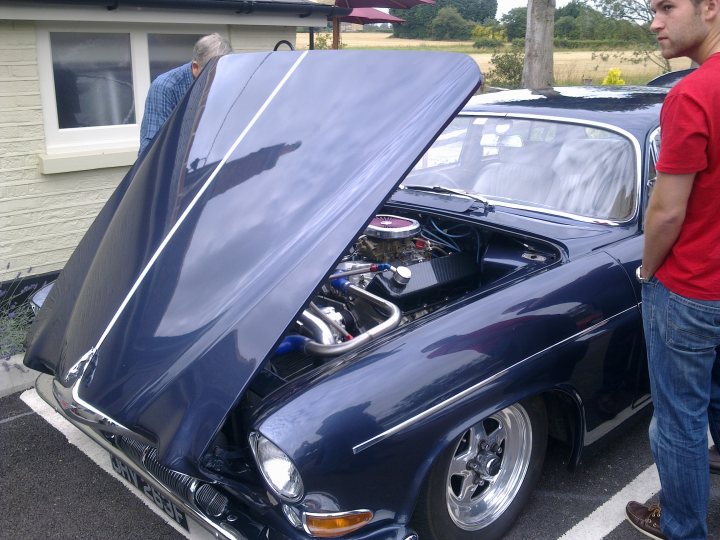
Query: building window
(94, 82)
(93, 79)
(167, 51)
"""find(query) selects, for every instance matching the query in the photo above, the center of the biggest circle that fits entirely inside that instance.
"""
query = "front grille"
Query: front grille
(211, 500)
(134, 449)
(180, 484)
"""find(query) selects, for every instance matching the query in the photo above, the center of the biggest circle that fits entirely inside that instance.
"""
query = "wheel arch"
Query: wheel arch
(566, 420)
(566, 423)
(420, 507)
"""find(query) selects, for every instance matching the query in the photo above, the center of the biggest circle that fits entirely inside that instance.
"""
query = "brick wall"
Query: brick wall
(43, 217)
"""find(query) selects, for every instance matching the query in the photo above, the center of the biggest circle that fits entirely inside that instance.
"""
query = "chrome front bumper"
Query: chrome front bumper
(242, 529)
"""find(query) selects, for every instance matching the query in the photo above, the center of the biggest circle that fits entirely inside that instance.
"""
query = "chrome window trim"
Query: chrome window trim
(575, 121)
(654, 149)
(461, 395)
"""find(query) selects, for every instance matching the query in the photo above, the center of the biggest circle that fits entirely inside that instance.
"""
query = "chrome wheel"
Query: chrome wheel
(488, 468)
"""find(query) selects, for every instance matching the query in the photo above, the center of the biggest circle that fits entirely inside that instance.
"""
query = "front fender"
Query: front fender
(380, 419)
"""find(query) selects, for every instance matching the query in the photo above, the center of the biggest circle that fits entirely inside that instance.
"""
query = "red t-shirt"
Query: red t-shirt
(690, 143)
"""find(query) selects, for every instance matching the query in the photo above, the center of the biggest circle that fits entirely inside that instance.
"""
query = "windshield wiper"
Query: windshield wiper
(451, 191)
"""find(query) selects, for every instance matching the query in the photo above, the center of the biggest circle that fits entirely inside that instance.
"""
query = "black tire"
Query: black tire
(474, 492)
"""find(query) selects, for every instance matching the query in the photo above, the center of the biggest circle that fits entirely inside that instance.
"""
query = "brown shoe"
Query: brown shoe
(714, 460)
(645, 519)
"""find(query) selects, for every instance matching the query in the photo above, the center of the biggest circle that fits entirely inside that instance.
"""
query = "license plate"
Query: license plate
(157, 498)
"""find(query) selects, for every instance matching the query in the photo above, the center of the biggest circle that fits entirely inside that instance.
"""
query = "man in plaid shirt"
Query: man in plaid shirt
(168, 89)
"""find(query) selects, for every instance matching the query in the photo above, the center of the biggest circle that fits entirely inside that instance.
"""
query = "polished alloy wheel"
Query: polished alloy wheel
(488, 468)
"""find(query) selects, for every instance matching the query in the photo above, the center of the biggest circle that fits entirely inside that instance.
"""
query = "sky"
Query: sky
(506, 5)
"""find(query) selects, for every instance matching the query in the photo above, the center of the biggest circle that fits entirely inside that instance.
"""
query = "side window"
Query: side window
(448, 147)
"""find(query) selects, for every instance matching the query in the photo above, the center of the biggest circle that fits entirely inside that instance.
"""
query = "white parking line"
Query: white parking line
(98, 455)
(611, 514)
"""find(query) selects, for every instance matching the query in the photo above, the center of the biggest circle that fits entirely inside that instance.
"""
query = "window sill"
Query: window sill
(86, 161)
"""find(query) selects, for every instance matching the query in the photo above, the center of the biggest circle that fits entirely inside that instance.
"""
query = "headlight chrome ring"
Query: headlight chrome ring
(277, 469)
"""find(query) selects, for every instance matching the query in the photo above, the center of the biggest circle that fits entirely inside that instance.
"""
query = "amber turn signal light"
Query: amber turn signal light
(336, 524)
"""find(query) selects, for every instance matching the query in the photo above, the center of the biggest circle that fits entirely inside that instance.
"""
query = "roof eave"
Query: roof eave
(302, 8)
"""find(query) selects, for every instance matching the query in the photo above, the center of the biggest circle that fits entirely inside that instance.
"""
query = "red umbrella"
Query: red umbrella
(396, 4)
(369, 16)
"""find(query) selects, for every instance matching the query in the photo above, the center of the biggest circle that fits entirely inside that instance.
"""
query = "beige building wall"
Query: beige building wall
(44, 216)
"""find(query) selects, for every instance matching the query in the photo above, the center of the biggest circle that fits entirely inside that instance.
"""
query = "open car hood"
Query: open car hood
(220, 234)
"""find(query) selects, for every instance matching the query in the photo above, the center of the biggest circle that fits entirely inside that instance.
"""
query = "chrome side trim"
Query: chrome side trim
(458, 397)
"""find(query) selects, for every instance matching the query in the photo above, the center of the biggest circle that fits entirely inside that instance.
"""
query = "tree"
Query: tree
(566, 27)
(448, 24)
(538, 66)
(571, 9)
(417, 21)
(515, 22)
(419, 18)
(507, 68)
(638, 12)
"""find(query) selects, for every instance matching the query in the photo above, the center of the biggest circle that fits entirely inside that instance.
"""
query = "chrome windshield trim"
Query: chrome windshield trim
(576, 121)
(461, 395)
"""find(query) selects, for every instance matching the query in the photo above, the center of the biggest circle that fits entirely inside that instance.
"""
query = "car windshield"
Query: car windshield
(553, 166)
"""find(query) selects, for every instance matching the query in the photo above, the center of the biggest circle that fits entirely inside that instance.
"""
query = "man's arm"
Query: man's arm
(664, 218)
(158, 105)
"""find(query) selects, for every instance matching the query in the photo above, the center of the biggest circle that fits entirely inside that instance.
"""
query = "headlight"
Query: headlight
(277, 469)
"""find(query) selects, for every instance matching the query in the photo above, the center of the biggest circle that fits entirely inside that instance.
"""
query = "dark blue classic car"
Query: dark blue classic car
(274, 338)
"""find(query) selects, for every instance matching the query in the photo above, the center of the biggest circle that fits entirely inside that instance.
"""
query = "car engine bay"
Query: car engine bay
(403, 267)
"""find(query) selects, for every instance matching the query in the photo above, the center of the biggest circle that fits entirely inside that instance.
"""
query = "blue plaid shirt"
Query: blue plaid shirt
(165, 93)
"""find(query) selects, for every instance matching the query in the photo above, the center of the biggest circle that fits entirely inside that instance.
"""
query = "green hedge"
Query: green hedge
(487, 43)
(593, 44)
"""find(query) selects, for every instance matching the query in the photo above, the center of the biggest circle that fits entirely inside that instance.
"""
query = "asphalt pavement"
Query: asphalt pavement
(51, 489)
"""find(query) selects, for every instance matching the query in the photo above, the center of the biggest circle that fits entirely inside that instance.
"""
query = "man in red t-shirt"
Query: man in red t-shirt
(680, 273)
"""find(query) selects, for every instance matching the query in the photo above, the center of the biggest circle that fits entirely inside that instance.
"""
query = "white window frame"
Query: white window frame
(99, 139)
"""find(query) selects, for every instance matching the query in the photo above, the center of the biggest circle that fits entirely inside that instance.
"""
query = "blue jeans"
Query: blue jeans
(682, 337)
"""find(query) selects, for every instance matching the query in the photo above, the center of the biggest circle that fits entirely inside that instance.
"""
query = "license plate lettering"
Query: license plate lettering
(162, 502)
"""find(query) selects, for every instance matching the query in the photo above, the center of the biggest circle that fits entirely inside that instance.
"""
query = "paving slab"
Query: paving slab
(14, 376)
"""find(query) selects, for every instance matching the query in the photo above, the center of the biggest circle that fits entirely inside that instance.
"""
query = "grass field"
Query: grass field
(571, 67)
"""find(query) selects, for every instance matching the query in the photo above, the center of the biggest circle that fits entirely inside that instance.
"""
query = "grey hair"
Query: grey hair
(208, 47)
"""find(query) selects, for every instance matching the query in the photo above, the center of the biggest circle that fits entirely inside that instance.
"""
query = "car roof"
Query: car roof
(633, 108)
(670, 78)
